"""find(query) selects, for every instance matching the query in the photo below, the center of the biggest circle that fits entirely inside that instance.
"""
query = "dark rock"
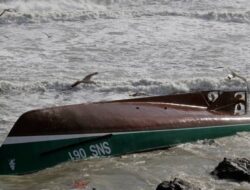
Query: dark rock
(176, 184)
(236, 169)
(208, 142)
(138, 94)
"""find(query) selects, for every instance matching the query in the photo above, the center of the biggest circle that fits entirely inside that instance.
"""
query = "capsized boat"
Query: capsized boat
(45, 137)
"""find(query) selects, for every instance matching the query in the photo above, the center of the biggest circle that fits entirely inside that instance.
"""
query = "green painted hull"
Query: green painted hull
(24, 158)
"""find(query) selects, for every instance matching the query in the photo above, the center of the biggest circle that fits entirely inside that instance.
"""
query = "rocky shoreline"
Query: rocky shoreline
(237, 170)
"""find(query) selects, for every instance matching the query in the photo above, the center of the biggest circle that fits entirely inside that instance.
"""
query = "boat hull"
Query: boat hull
(45, 137)
(19, 156)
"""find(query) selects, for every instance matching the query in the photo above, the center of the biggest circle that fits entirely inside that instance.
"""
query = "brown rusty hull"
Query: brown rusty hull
(46, 137)
(153, 113)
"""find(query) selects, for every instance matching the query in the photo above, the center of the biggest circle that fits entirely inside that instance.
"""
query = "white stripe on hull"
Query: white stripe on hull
(42, 138)
(28, 139)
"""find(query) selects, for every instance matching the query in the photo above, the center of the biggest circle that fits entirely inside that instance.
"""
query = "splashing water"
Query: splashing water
(155, 47)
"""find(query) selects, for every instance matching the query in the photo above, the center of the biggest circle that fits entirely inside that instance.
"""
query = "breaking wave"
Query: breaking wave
(45, 10)
(38, 87)
(147, 86)
(33, 11)
(226, 16)
(223, 16)
(155, 87)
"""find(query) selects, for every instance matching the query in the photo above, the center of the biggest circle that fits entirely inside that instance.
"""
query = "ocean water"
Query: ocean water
(155, 47)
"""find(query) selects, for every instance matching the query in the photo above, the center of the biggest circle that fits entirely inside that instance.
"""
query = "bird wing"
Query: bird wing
(76, 83)
(46, 34)
(234, 74)
(88, 77)
(2, 12)
(6, 10)
(231, 72)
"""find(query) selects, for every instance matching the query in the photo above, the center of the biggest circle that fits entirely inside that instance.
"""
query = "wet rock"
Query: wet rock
(208, 142)
(176, 184)
(236, 169)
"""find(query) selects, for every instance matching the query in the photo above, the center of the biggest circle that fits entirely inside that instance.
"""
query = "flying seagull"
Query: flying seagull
(235, 75)
(48, 35)
(85, 80)
(6, 36)
(6, 10)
